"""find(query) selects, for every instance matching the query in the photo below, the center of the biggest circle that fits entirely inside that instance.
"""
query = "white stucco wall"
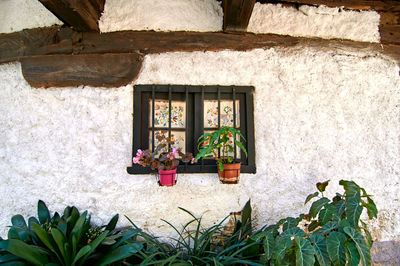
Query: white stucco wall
(159, 15)
(16, 15)
(319, 116)
(322, 21)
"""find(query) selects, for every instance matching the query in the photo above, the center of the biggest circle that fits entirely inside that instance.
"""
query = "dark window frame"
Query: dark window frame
(194, 97)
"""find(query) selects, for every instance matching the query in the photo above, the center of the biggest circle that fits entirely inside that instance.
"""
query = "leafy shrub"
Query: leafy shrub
(69, 239)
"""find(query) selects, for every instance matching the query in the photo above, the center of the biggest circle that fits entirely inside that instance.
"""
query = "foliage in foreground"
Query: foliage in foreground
(331, 233)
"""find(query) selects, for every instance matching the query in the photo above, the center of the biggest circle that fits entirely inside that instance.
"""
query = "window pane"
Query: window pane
(226, 117)
(177, 136)
(161, 114)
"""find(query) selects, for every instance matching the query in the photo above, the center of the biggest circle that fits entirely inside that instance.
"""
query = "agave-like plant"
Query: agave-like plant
(69, 239)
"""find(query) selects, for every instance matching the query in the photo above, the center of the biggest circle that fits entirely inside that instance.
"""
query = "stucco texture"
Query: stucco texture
(318, 116)
(16, 15)
(308, 21)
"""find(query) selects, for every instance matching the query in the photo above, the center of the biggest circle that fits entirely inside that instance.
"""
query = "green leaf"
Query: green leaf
(19, 221)
(95, 243)
(290, 223)
(120, 253)
(240, 145)
(76, 232)
(362, 247)
(294, 231)
(322, 186)
(326, 214)
(43, 212)
(82, 252)
(280, 247)
(45, 238)
(304, 252)
(336, 249)
(311, 196)
(351, 188)
(340, 207)
(352, 254)
(371, 208)
(328, 228)
(27, 252)
(113, 222)
(353, 211)
(317, 206)
(269, 242)
(321, 252)
(60, 241)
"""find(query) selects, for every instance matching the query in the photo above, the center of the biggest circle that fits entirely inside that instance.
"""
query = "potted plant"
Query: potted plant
(224, 140)
(164, 158)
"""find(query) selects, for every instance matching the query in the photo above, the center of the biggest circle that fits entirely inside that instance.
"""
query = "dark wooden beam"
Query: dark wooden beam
(377, 5)
(81, 15)
(56, 40)
(237, 14)
(105, 70)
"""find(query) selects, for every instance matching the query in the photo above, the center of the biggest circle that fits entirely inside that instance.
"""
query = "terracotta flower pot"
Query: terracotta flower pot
(231, 173)
(167, 177)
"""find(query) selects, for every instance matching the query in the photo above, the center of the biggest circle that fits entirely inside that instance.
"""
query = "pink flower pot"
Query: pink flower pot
(167, 177)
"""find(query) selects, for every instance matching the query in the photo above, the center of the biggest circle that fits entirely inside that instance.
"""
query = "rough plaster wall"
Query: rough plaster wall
(319, 116)
(322, 21)
(160, 15)
(16, 15)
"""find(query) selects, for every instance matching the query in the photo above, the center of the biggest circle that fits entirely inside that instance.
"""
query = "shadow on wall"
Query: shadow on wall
(386, 253)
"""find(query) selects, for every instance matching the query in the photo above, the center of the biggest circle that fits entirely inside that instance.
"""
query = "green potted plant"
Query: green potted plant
(164, 158)
(223, 140)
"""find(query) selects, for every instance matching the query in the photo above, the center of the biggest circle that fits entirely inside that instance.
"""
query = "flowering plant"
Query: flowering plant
(163, 157)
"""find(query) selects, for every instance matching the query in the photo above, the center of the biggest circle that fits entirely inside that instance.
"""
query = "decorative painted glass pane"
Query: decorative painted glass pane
(230, 149)
(177, 136)
(226, 117)
(161, 114)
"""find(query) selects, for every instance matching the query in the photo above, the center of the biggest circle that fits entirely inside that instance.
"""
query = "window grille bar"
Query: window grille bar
(153, 96)
(219, 114)
(186, 122)
(202, 120)
(169, 113)
(234, 120)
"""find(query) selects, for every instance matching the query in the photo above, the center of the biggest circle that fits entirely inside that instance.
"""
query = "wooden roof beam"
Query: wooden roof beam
(237, 14)
(81, 15)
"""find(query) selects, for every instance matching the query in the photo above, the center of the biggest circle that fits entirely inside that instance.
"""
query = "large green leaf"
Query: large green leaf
(371, 208)
(27, 252)
(328, 228)
(336, 249)
(294, 231)
(326, 214)
(280, 247)
(290, 223)
(352, 253)
(82, 252)
(362, 247)
(311, 196)
(119, 253)
(43, 212)
(351, 188)
(317, 206)
(304, 252)
(367, 234)
(269, 242)
(77, 232)
(340, 207)
(353, 211)
(321, 252)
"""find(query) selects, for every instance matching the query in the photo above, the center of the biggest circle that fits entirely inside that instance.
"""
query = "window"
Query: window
(194, 110)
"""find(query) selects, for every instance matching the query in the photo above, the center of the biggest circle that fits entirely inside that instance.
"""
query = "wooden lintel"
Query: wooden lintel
(377, 5)
(82, 15)
(237, 14)
(105, 70)
(56, 40)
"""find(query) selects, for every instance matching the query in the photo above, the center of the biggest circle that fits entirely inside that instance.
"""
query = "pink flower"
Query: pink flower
(175, 152)
(136, 160)
(193, 161)
(139, 152)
